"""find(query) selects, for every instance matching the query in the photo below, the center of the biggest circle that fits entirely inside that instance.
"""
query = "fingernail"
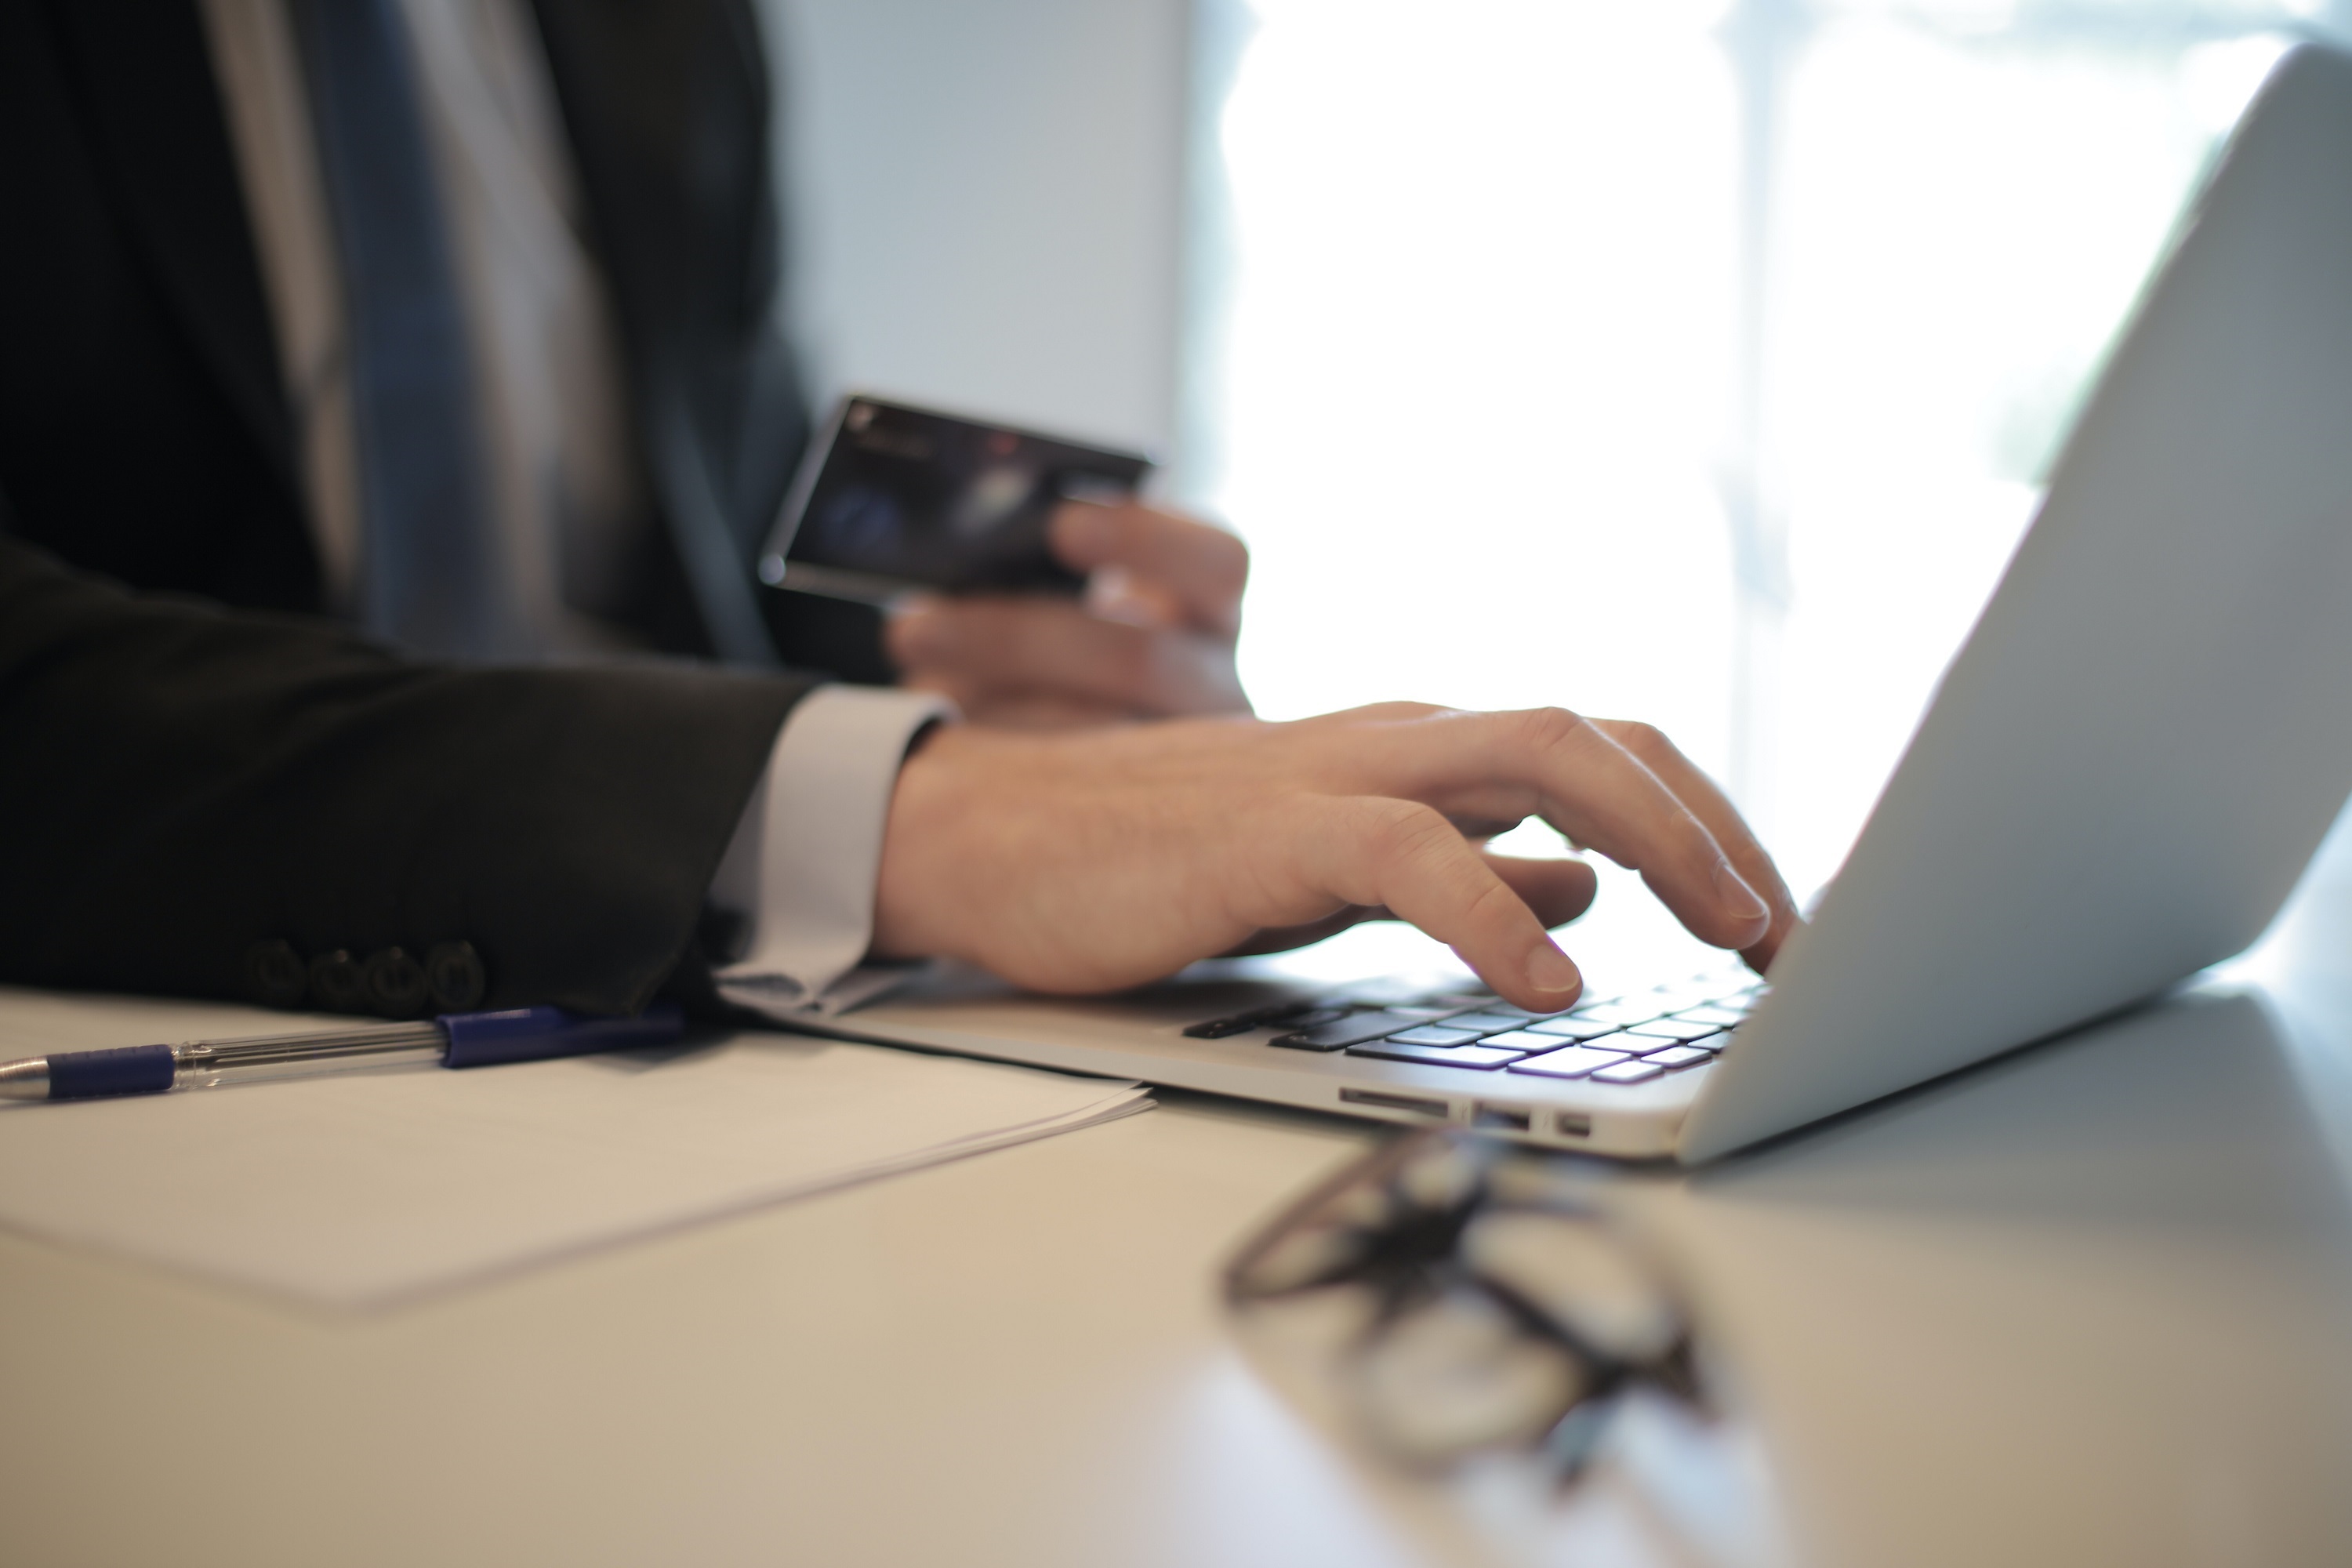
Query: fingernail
(1738, 897)
(1549, 970)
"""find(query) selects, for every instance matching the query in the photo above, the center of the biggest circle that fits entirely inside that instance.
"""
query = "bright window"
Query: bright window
(1676, 361)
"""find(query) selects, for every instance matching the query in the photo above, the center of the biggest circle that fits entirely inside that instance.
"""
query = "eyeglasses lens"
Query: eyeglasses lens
(1498, 1308)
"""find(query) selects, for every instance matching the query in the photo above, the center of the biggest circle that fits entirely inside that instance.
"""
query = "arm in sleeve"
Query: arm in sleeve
(800, 872)
(178, 783)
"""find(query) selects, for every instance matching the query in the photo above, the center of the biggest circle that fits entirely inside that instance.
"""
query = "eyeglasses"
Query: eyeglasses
(1494, 1307)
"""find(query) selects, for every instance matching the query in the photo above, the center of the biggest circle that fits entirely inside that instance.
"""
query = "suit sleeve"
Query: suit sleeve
(178, 783)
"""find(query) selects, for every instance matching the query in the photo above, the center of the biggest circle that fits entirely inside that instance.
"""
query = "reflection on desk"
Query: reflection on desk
(2085, 1305)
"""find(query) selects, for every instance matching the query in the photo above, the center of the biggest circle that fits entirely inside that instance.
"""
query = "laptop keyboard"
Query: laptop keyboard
(1625, 1040)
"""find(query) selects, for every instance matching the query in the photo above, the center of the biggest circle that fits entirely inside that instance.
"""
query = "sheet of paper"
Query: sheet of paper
(369, 1189)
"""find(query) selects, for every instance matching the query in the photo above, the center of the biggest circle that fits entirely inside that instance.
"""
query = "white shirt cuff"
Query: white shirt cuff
(802, 867)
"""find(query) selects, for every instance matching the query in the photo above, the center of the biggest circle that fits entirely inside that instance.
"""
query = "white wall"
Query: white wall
(987, 202)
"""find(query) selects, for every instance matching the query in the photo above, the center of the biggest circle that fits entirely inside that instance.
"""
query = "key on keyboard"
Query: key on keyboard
(1680, 1030)
(1487, 1022)
(1576, 1061)
(1507, 1011)
(1477, 1059)
(1572, 1028)
(1528, 1040)
(1435, 1035)
(1626, 1010)
(1349, 1031)
(1297, 1015)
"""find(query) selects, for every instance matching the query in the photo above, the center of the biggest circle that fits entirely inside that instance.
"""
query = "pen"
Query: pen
(454, 1040)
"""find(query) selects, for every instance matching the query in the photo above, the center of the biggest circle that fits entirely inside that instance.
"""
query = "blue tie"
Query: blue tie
(430, 575)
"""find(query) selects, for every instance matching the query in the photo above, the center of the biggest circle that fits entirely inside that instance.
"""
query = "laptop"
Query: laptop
(2118, 782)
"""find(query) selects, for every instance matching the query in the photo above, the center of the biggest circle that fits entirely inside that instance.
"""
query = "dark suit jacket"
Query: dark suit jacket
(176, 783)
(143, 429)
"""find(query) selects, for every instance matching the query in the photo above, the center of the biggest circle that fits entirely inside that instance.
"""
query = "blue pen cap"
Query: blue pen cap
(537, 1033)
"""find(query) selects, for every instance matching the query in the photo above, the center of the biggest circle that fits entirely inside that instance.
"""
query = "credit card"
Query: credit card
(893, 497)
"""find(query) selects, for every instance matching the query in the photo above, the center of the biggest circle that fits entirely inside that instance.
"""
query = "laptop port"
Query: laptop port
(1502, 1118)
(1394, 1102)
(1575, 1125)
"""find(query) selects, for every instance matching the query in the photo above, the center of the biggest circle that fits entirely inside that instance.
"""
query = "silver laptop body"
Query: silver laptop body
(2118, 782)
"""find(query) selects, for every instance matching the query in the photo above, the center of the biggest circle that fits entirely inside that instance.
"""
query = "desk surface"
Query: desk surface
(2091, 1304)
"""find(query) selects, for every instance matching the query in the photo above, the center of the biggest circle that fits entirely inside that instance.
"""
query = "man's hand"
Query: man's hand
(1092, 861)
(1154, 639)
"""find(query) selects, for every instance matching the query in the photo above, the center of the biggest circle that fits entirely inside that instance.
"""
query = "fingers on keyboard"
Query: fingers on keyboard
(1625, 1039)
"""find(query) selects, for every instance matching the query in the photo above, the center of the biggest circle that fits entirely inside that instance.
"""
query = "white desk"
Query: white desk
(2092, 1305)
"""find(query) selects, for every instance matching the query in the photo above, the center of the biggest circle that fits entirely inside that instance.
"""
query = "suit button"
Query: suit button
(337, 982)
(455, 976)
(274, 974)
(395, 984)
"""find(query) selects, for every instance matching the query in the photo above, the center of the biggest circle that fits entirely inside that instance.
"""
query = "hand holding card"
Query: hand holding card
(1153, 639)
(1015, 572)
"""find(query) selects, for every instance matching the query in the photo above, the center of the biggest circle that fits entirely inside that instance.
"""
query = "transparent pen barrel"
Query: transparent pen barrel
(216, 1062)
